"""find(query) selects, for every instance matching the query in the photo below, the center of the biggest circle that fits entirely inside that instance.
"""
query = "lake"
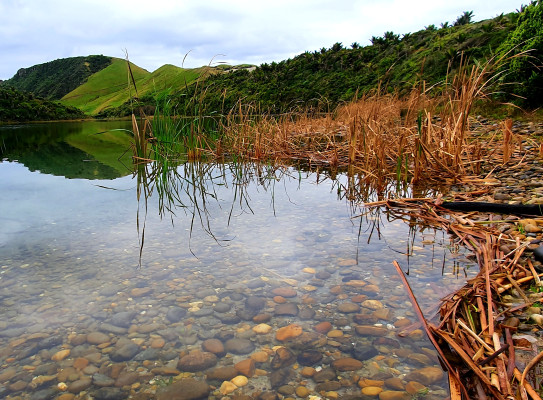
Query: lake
(221, 279)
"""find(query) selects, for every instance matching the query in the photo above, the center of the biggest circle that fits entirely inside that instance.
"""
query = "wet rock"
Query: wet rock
(214, 346)
(394, 395)
(7, 374)
(364, 352)
(261, 318)
(262, 329)
(306, 313)
(166, 371)
(44, 394)
(28, 352)
(255, 284)
(326, 374)
(239, 346)
(203, 312)
(125, 352)
(302, 391)
(426, 376)
(227, 387)
(370, 330)
(44, 369)
(185, 389)
(372, 304)
(255, 303)
(538, 253)
(109, 393)
(414, 388)
(246, 367)
(12, 332)
(222, 374)
(267, 396)
(385, 341)
(371, 391)
(79, 385)
(17, 386)
(288, 332)
(323, 327)
(394, 383)
(60, 355)
(102, 380)
(287, 309)
(283, 357)
(280, 377)
(105, 327)
(347, 364)
(236, 296)
(285, 390)
(232, 319)
(197, 361)
(148, 354)
(50, 342)
(323, 275)
(127, 378)
(309, 357)
(175, 314)
(286, 292)
(327, 386)
(348, 307)
(222, 307)
(123, 319)
(140, 292)
(246, 314)
(308, 340)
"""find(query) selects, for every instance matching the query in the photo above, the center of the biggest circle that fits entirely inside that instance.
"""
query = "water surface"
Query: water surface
(105, 296)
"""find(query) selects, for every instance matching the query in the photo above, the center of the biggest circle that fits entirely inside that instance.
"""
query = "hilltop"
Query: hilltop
(108, 88)
(54, 79)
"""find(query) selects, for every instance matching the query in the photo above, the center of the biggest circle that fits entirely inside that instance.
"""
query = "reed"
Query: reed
(387, 139)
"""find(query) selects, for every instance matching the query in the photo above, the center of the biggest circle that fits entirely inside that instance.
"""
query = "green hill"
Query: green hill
(393, 63)
(108, 88)
(54, 79)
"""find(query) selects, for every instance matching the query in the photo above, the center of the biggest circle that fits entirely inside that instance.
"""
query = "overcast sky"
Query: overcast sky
(157, 32)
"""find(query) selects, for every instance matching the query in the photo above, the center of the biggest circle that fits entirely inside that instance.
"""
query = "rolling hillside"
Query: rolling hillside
(53, 79)
(108, 88)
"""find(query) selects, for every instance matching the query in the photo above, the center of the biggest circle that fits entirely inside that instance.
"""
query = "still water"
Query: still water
(222, 280)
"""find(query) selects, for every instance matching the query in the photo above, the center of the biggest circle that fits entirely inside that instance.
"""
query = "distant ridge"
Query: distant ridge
(108, 88)
(54, 79)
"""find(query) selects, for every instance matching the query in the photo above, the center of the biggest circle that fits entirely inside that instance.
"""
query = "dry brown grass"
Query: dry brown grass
(383, 137)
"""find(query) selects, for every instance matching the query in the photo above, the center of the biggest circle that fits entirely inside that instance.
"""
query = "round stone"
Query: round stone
(262, 329)
(214, 346)
(288, 332)
(240, 380)
(239, 346)
(284, 292)
(197, 361)
(97, 338)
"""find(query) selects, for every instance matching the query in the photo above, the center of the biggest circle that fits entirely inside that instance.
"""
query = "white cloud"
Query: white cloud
(162, 31)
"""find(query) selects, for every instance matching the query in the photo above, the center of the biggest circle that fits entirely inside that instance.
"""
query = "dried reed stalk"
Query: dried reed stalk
(468, 316)
(507, 140)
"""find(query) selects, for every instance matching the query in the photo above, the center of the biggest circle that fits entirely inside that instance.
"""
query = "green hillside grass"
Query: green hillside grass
(108, 88)
(54, 79)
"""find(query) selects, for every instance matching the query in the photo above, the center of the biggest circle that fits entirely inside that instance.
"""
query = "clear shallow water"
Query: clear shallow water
(274, 247)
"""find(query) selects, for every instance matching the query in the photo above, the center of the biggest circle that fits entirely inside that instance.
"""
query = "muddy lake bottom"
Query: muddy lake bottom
(280, 293)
